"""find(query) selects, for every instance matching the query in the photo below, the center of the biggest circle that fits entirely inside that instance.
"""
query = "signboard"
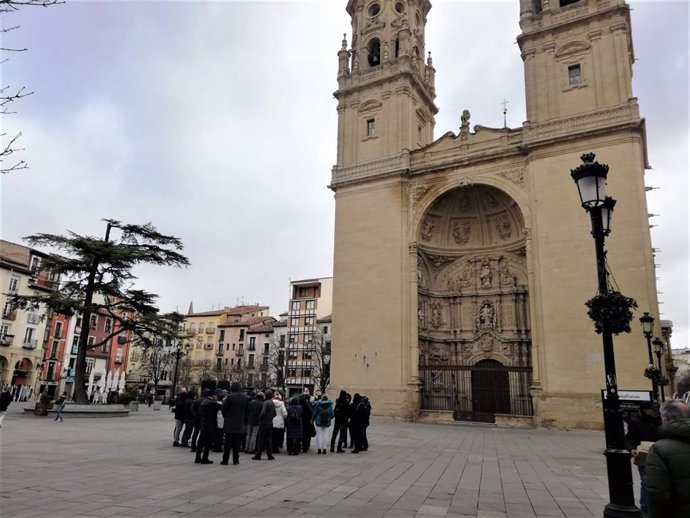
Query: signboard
(630, 401)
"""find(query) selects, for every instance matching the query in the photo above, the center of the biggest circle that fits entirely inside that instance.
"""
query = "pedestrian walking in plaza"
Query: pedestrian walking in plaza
(208, 410)
(323, 414)
(179, 416)
(5, 400)
(265, 438)
(255, 406)
(234, 410)
(196, 418)
(294, 426)
(188, 420)
(668, 464)
(279, 423)
(642, 427)
(59, 407)
(342, 418)
(308, 430)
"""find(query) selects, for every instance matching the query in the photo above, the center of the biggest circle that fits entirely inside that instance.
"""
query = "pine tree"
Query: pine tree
(96, 278)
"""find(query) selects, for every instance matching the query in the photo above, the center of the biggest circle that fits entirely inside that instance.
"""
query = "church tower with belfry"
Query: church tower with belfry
(462, 264)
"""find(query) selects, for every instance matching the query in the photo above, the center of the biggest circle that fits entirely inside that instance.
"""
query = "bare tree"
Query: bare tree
(277, 362)
(184, 372)
(9, 94)
(205, 370)
(683, 382)
(157, 360)
(321, 361)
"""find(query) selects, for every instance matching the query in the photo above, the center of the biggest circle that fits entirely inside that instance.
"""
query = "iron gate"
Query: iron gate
(477, 392)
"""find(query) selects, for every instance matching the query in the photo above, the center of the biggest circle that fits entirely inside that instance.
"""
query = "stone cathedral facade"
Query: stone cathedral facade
(462, 264)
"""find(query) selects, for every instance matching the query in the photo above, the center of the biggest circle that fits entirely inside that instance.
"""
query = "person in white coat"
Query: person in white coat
(279, 422)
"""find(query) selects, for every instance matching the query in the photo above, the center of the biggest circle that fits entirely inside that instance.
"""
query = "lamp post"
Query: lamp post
(647, 322)
(659, 350)
(590, 178)
(177, 354)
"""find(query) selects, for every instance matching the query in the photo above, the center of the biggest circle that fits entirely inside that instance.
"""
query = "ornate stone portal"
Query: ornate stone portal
(474, 336)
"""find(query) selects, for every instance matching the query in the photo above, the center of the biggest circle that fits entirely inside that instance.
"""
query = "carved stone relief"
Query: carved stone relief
(419, 192)
(462, 232)
(503, 227)
(428, 229)
(517, 176)
(436, 315)
(487, 317)
(485, 275)
(439, 261)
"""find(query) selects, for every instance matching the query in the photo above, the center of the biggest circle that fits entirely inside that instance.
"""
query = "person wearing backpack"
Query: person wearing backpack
(323, 415)
(294, 427)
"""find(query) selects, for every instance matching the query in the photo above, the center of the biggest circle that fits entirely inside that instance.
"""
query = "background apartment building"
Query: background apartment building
(22, 333)
(311, 299)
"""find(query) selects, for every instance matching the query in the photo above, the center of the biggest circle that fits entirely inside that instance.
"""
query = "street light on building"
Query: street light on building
(647, 322)
(177, 354)
(590, 178)
(659, 350)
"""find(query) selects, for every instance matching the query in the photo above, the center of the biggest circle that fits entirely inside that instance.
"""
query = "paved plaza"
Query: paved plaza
(128, 467)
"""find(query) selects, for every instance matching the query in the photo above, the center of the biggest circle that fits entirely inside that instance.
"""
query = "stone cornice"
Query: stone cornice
(373, 170)
(563, 17)
(588, 123)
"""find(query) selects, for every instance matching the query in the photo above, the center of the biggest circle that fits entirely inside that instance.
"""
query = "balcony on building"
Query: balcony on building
(33, 318)
(30, 344)
(191, 331)
(6, 340)
(210, 330)
(9, 315)
(219, 351)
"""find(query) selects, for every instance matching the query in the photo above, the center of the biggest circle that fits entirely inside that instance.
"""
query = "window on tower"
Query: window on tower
(537, 6)
(374, 49)
(574, 75)
(371, 127)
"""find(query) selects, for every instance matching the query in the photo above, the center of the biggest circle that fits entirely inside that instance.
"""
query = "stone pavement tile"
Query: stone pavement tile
(107, 511)
(188, 507)
(433, 510)
(490, 514)
(519, 511)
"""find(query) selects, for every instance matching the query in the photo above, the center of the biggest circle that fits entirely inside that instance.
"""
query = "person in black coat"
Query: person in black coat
(188, 420)
(342, 417)
(643, 427)
(294, 426)
(208, 411)
(307, 425)
(234, 409)
(5, 400)
(358, 420)
(196, 417)
(179, 416)
(255, 406)
(265, 439)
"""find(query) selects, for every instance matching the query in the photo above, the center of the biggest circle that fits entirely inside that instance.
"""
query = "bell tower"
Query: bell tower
(578, 57)
(385, 85)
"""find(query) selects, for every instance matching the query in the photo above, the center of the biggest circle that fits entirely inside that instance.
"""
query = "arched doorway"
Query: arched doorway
(473, 306)
(22, 372)
(4, 368)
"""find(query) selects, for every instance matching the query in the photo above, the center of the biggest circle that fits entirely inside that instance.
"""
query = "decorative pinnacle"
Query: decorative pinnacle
(429, 61)
(344, 47)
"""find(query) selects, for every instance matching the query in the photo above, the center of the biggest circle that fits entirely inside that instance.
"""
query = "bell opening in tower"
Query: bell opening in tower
(374, 49)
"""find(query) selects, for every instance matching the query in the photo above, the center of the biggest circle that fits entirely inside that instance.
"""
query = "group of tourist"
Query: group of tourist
(665, 467)
(18, 392)
(261, 422)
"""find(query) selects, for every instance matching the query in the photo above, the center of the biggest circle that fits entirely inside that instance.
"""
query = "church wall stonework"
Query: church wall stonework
(418, 299)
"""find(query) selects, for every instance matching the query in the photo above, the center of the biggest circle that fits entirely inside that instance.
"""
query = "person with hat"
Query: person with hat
(643, 427)
(234, 410)
(279, 422)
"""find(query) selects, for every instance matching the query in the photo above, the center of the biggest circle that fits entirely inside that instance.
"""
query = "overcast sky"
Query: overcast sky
(216, 122)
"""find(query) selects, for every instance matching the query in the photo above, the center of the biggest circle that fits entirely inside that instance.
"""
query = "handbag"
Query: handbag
(313, 430)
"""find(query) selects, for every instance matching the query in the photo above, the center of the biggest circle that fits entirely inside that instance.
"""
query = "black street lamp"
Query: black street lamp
(659, 350)
(590, 178)
(647, 322)
(177, 354)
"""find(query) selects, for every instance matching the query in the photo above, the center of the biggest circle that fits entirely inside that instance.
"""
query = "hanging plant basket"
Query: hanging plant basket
(614, 309)
(653, 373)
